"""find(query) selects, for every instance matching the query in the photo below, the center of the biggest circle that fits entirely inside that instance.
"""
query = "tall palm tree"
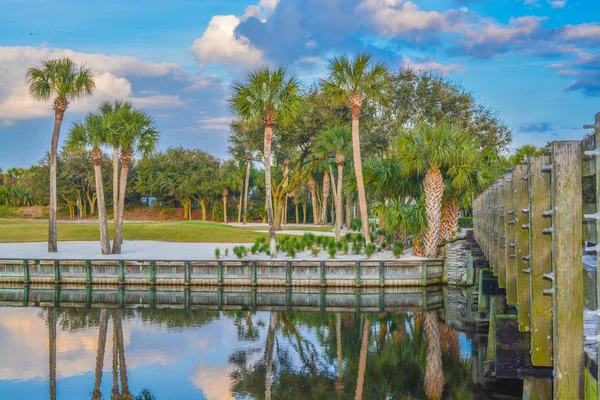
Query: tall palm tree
(136, 133)
(103, 326)
(352, 82)
(110, 111)
(52, 353)
(246, 184)
(312, 187)
(362, 361)
(269, 353)
(93, 132)
(429, 149)
(434, 374)
(274, 97)
(62, 79)
(336, 141)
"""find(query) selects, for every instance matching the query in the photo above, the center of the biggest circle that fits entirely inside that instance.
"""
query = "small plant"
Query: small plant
(315, 251)
(319, 240)
(217, 253)
(227, 252)
(348, 237)
(360, 238)
(398, 249)
(339, 245)
(239, 251)
(244, 251)
(264, 248)
(292, 252)
(332, 250)
(254, 248)
(346, 248)
(357, 247)
(356, 224)
(370, 249)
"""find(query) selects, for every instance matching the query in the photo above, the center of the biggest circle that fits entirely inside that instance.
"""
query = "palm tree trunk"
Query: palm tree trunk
(52, 353)
(434, 375)
(269, 200)
(297, 214)
(348, 212)
(269, 355)
(362, 361)
(285, 210)
(239, 218)
(102, 218)
(304, 212)
(444, 221)
(121, 347)
(339, 384)
(433, 184)
(115, 360)
(224, 208)
(248, 168)
(115, 185)
(100, 354)
(326, 187)
(279, 209)
(313, 195)
(339, 214)
(453, 216)
(360, 183)
(52, 234)
(118, 240)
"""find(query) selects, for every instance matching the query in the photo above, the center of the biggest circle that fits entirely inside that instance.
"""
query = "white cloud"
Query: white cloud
(430, 65)
(396, 17)
(557, 3)
(110, 75)
(269, 5)
(217, 124)
(516, 28)
(220, 44)
(589, 32)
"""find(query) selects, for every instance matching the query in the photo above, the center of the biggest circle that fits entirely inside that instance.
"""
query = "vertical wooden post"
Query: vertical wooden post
(567, 299)
(522, 250)
(220, 299)
(511, 244)
(220, 272)
(186, 273)
(121, 272)
(288, 273)
(153, 272)
(88, 272)
(501, 211)
(322, 274)
(88, 296)
(25, 271)
(424, 273)
(357, 273)
(381, 274)
(288, 299)
(253, 274)
(495, 229)
(540, 249)
(56, 271)
(537, 389)
(152, 297)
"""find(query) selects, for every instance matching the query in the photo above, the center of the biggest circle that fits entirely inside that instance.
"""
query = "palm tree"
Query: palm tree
(93, 132)
(429, 149)
(352, 82)
(312, 187)
(434, 374)
(136, 133)
(246, 183)
(103, 325)
(362, 361)
(62, 79)
(52, 352)
(110, 111)
(269, 353)
(273, 97)
(336, 141)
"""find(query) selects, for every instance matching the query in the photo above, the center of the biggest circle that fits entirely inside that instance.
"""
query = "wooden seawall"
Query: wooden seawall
(333, 273)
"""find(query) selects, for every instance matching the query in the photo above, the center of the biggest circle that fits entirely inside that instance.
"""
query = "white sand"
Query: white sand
(155, 250)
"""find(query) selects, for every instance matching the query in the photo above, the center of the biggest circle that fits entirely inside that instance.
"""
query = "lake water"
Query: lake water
(72, 352)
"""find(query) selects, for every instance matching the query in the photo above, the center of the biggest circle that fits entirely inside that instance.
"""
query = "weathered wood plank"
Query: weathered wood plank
(537, 389)
(511, 260)
(540, 245)
(502, 244)
(567, 299)
(522, 247)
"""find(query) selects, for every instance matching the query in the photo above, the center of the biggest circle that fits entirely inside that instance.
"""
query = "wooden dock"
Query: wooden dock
(301, 273)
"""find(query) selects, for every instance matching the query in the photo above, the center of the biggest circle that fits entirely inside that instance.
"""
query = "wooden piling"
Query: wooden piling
(540, 249)
(511, 256)
(567, 296)
(521, 203)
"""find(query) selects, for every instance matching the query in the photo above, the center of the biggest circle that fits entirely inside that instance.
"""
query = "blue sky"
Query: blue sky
(536, 62)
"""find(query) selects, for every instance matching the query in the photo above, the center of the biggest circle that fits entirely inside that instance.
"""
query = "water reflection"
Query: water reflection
(181, 354)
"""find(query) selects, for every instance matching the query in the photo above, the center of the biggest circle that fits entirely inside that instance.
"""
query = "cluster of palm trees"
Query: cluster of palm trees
(116, 124)
(270, 95)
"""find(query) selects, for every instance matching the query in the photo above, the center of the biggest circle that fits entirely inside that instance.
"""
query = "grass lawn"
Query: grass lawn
(13, 231)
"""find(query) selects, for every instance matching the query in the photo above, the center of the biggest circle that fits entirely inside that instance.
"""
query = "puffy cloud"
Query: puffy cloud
(557, 3)
(216, 124)
(393, 18)
(585, 72)
(431, 65)
(221, 44)
(583, 32)
(112, 76)
(269, 5)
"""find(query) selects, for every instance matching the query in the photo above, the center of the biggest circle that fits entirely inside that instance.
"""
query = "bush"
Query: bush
(398, 249)
(348, 237)
(227, 252)
(357, 247)
(332, 250)
(355, 224)
(292, 252)
(239, 251)
(217, 253)
(465, 222)
(370, 249)
(315, 251)
(346, 248)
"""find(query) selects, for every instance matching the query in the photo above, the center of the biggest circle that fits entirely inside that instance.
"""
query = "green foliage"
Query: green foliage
(357, 247)
(527, 151)
(398, 249)
(345, 248)
(315, 251)
(239, 251)
(59, 77)
(465, 222)
(217, 253)
(292, 252)
(370, 249)
(356, 224)
(332, 250)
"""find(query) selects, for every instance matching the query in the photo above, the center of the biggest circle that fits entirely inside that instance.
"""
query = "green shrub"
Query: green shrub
(465, 222)
(239, 251)
(370, 249)
(360, 238)
(346, 248)
(332, 250)
(348, 237)
(355, 224)
(357, 247)
(217, 253)
(227, 252)
(292, 252)
(315, 251)
(398, 249)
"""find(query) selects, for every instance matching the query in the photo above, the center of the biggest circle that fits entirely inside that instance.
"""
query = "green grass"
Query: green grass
(8, 211)
(14, 231)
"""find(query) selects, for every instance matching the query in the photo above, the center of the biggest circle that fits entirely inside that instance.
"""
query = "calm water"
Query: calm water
(79, 353)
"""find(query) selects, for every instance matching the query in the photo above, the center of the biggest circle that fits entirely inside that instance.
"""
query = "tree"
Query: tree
(428, 150)
(93, 132)
(526, 151)
(336, 141)
(273, 97)
(352, 82)
(136, 133)
(62, 79)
